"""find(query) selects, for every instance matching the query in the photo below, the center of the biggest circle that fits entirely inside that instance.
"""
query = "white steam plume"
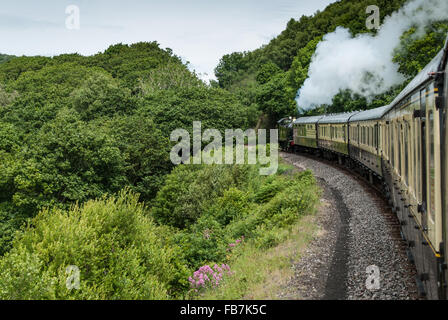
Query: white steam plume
(364, 64)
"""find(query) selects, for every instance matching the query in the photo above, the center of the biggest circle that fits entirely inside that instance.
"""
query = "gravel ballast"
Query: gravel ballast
(355, 239)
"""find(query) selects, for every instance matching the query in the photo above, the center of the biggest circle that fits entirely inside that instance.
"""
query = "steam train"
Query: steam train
(402, 149)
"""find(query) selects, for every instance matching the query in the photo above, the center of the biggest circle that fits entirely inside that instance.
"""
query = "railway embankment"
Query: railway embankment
(356, 254)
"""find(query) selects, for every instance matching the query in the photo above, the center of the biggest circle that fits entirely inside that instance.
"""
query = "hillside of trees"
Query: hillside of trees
(74, 128)
(270, 76)
(5, 57)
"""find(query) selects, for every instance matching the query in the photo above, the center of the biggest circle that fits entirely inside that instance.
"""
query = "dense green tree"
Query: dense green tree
(276, 99)
(177, 109)
(299, 68)
(145, 150)
(101, 95)
(67, 161)
(118, 250)
(5, 58)
(6, 97)
(13, 68)
(169, 76)
(133, 62)
(267, 72)
(414, 53)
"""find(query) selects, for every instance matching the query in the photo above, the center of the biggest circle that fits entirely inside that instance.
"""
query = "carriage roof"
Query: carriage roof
(424, 75)
(308, 120)
(338, 117)
(372, 114)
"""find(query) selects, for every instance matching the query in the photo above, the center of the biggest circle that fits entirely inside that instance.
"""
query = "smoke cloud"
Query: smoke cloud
(363, 63)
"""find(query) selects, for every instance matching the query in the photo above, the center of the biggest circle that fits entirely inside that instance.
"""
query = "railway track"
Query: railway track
(368, 234)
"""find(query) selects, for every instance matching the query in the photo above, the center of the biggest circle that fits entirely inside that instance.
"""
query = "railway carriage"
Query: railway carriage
(365, 139)
(404, 145)
(443, 104)
(413, 172)
(333, 134)
(305, 133)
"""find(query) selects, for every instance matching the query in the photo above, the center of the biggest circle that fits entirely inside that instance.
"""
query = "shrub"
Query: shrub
(234, 204)
(297, 199)
(191, 189)
(116, 247)
(270, 189)
(203, 242)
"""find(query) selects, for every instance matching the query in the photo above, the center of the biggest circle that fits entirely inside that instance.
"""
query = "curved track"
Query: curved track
(357, 232)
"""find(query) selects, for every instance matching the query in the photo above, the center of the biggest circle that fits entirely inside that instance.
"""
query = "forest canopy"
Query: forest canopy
(75, 128)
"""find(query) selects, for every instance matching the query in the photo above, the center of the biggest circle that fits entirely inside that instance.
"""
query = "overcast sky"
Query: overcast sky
(200, 31)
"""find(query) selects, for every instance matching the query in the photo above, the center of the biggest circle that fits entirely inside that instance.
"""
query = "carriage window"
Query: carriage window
(376, 136)
(431, 164)
(368, 136)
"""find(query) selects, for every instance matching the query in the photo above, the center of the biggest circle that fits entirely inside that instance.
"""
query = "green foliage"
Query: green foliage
(5, 58)
(131, 63)
(117, 248)
(299, 68)
(231, 66)
(182, 199)
(232, 206)
(74, 128)
(204, 242)
(67, 161)
(292, 52)
(101, 95)
(269, 190)
(43, 93)
(6, 97)
(14, 67)
(238, 203)
(168, 77)
(296, 196)
(415, 53)
(267, 71)
(145, 151)
(275, 98)
(215, 108)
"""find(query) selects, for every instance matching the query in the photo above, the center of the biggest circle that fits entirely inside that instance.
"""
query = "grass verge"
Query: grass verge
(260, 274)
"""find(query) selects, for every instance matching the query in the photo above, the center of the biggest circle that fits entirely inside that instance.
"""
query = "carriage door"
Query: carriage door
(433, 170)
(445, 164)
(445, 130)
(423, 209)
